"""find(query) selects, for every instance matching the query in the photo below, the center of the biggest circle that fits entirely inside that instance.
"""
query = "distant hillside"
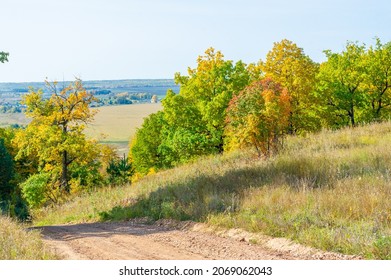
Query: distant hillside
(107, 91)
(153, 86)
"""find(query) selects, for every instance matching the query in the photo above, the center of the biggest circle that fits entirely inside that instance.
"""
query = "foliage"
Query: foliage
(16, 170)
(288, 65)
(120, 171)
(55, 134)
(6, 172)
(204, 95)
(258, 116)
(341, 80)
(25, 165)
(378, 79)
(3, 57)
(36, 191)
(192, 122)
(144, 148)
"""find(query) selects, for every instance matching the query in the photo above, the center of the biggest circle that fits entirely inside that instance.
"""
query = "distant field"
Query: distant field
(8, 119)
(112, 124)
(116, 124)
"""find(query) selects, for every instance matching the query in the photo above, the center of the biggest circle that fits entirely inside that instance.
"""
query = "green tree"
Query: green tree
(259, 117)
(144, 147)
(195, 117)
(22, 169)
(55, 135)
(120, 171)
(288, 65)
(3, 57)
(378, 79)
(340, 84)
(6, 172)
(35, 190)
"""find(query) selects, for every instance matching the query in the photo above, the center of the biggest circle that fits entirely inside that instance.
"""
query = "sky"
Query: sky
(135, 39)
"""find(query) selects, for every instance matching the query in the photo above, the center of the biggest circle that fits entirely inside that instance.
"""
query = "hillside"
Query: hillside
(18, 244)
(329, 190)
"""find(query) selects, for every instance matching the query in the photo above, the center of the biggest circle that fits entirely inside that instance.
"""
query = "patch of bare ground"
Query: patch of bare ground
(168, 239)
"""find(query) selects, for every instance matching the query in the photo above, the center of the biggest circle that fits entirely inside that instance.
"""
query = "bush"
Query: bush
(34, 189)
(120, 171)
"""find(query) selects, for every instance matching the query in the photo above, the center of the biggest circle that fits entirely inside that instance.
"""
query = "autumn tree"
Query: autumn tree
(341, 85)
(55, 134)
(195, 117)
(259, 117)
(3, 57)
(288, 65)
(378, 79)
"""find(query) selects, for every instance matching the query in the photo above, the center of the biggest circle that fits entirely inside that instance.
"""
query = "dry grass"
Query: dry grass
(331, 190)
(115, 125)
(7, 119)
(119, 123)
(16, 243)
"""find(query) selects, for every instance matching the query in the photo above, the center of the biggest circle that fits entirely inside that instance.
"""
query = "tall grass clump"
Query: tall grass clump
(330, 190)
(18, 244)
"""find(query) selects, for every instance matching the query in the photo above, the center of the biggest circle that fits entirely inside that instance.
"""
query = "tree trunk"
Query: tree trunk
(64, 172)
(351, 114)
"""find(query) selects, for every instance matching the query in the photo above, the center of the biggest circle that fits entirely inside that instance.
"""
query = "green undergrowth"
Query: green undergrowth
(330, 190)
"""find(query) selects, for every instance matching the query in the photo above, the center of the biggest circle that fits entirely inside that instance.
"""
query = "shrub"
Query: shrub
(34, 189)
(120, 171)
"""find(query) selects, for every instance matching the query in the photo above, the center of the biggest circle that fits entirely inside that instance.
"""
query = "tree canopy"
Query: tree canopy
(341, 82)
(378, 79)
(258, 116)
(6, 171)
(55, 135)
(193, 120)
(223, 105)
(288, 65)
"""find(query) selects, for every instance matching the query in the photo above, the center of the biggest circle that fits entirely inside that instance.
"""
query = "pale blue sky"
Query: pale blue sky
(119, 39)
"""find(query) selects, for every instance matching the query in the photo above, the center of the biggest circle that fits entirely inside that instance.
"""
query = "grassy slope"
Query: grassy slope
(18, 244)
(331, 190)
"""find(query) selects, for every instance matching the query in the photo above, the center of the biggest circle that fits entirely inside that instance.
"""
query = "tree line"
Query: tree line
(222, 105)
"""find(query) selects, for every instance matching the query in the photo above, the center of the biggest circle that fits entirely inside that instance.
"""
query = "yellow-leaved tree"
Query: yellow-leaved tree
(55, 136)
(288, 65)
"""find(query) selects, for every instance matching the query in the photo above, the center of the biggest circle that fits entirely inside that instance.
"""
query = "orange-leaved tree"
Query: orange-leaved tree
(258, 116)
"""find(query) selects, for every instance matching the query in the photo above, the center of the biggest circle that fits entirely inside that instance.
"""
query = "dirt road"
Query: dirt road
(165, 241)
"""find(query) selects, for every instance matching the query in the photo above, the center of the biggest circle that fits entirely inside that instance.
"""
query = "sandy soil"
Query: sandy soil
(170, 240)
